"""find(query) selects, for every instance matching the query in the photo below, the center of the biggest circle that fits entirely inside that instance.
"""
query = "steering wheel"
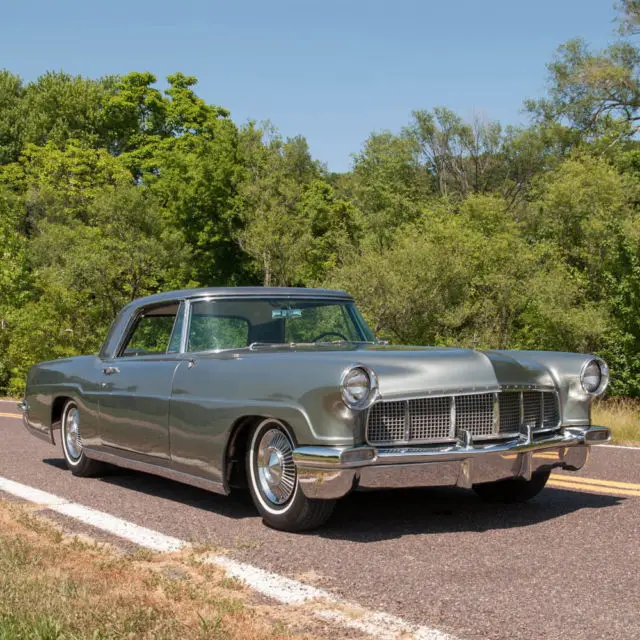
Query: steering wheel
(330, 333)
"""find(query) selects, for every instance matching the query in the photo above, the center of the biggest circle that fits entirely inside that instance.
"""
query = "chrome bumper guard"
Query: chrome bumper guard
(332, 472)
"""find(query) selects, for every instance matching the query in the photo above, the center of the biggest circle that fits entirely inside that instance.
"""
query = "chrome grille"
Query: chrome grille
(387, 422)
(475, 414)
(430, 419)
(550, 410)
(439, 418)
(510, 420)
(532, 408)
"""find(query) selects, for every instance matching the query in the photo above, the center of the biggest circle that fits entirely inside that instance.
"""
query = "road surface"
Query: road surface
(567, 564)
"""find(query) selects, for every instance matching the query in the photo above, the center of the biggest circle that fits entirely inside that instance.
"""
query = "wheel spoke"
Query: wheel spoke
(72, 437)
(276, 470)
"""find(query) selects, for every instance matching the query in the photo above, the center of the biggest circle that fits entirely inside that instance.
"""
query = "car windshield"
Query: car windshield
(237, 323)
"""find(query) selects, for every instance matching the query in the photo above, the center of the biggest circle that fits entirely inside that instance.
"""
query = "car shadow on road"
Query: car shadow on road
(373, 516)
(383, 515)
(236, 506)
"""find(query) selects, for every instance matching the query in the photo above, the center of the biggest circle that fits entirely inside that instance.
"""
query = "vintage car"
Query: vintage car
(289, 392)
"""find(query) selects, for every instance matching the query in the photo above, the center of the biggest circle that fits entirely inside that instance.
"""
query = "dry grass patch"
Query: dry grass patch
(55, 587)
(622, 416)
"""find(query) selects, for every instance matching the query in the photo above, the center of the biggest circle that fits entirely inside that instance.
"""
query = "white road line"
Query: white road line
(121, 528)
(272, 585)
(31, 493)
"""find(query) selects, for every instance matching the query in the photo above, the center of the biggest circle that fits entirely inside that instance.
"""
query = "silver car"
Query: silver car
(288, 392)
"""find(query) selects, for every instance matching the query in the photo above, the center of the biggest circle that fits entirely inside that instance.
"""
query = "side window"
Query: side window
(151, 332)
(208, 331)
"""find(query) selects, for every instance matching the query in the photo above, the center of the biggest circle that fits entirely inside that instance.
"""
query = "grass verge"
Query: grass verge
(55, 587)
(622, 416)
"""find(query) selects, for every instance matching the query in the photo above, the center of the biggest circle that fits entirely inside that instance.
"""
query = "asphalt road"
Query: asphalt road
(565, 565)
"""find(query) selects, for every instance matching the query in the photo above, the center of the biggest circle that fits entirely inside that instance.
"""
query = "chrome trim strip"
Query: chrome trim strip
(407, 421)
(521, 407)
(184, 338)
(452, 433)
(440, 393)
(156, 470)
(307, 294)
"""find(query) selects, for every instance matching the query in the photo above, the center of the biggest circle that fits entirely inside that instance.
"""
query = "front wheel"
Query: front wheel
(74, 456)
(513, 489)
(273, 481)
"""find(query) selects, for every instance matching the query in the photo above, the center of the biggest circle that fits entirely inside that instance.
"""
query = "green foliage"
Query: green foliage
(470, 277)
(448, 232)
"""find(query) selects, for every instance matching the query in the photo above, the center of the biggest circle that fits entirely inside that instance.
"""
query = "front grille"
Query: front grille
(387, 422)
(509, 404)
(429, 418)
(475, 414)
(483, 415)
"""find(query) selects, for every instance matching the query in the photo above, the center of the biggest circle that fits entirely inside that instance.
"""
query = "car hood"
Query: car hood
(408, 371)
(412, 370)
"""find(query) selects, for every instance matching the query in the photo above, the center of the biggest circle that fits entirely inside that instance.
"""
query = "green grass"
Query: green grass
(622, 416)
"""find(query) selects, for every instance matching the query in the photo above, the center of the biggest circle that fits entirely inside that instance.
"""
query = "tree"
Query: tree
(388, 186)
(85, 273)
(58, 106)
(269, 201)
(471, 277)
(461, 157)
(591, 90)
(11, 91)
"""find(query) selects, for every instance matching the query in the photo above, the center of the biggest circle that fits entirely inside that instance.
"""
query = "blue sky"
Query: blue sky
(333, 71)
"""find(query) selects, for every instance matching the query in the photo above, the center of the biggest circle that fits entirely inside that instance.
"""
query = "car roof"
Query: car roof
(243, 292)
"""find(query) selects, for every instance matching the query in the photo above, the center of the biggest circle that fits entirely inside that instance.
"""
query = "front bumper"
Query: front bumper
(331, 472)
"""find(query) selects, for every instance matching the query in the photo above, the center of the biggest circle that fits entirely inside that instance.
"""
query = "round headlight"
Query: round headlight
(595, 377)
(359, 386)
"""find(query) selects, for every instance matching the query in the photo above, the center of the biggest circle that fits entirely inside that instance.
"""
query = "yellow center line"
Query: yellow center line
(595, 481)
(609, 491)
(10, 415)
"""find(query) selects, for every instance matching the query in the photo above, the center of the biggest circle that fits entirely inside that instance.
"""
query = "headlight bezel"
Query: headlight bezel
(366, 401)
(604, 376)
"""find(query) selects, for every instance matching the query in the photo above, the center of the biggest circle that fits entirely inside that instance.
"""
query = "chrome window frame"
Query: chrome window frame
(127, 332)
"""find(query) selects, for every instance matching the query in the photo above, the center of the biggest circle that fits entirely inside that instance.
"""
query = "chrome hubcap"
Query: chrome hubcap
(72, 434)
(276, 471)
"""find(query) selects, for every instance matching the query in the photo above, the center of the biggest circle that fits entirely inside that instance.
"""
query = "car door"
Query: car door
(136, 383)
(200, 411)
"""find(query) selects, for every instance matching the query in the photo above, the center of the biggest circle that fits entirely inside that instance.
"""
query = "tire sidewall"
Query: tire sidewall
(272, 513)
(71, 463)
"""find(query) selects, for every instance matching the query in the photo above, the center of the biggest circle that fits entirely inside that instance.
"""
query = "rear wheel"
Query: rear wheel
(273, 481)
(72, 449)
(513, 489)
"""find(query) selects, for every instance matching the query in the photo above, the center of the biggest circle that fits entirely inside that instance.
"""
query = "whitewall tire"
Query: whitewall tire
(273, 481)
(72, 448)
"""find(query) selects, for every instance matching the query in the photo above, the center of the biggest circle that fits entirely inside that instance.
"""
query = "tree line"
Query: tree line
(447, 232)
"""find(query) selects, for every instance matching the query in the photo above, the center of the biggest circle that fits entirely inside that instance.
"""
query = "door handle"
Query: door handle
(109, 371)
